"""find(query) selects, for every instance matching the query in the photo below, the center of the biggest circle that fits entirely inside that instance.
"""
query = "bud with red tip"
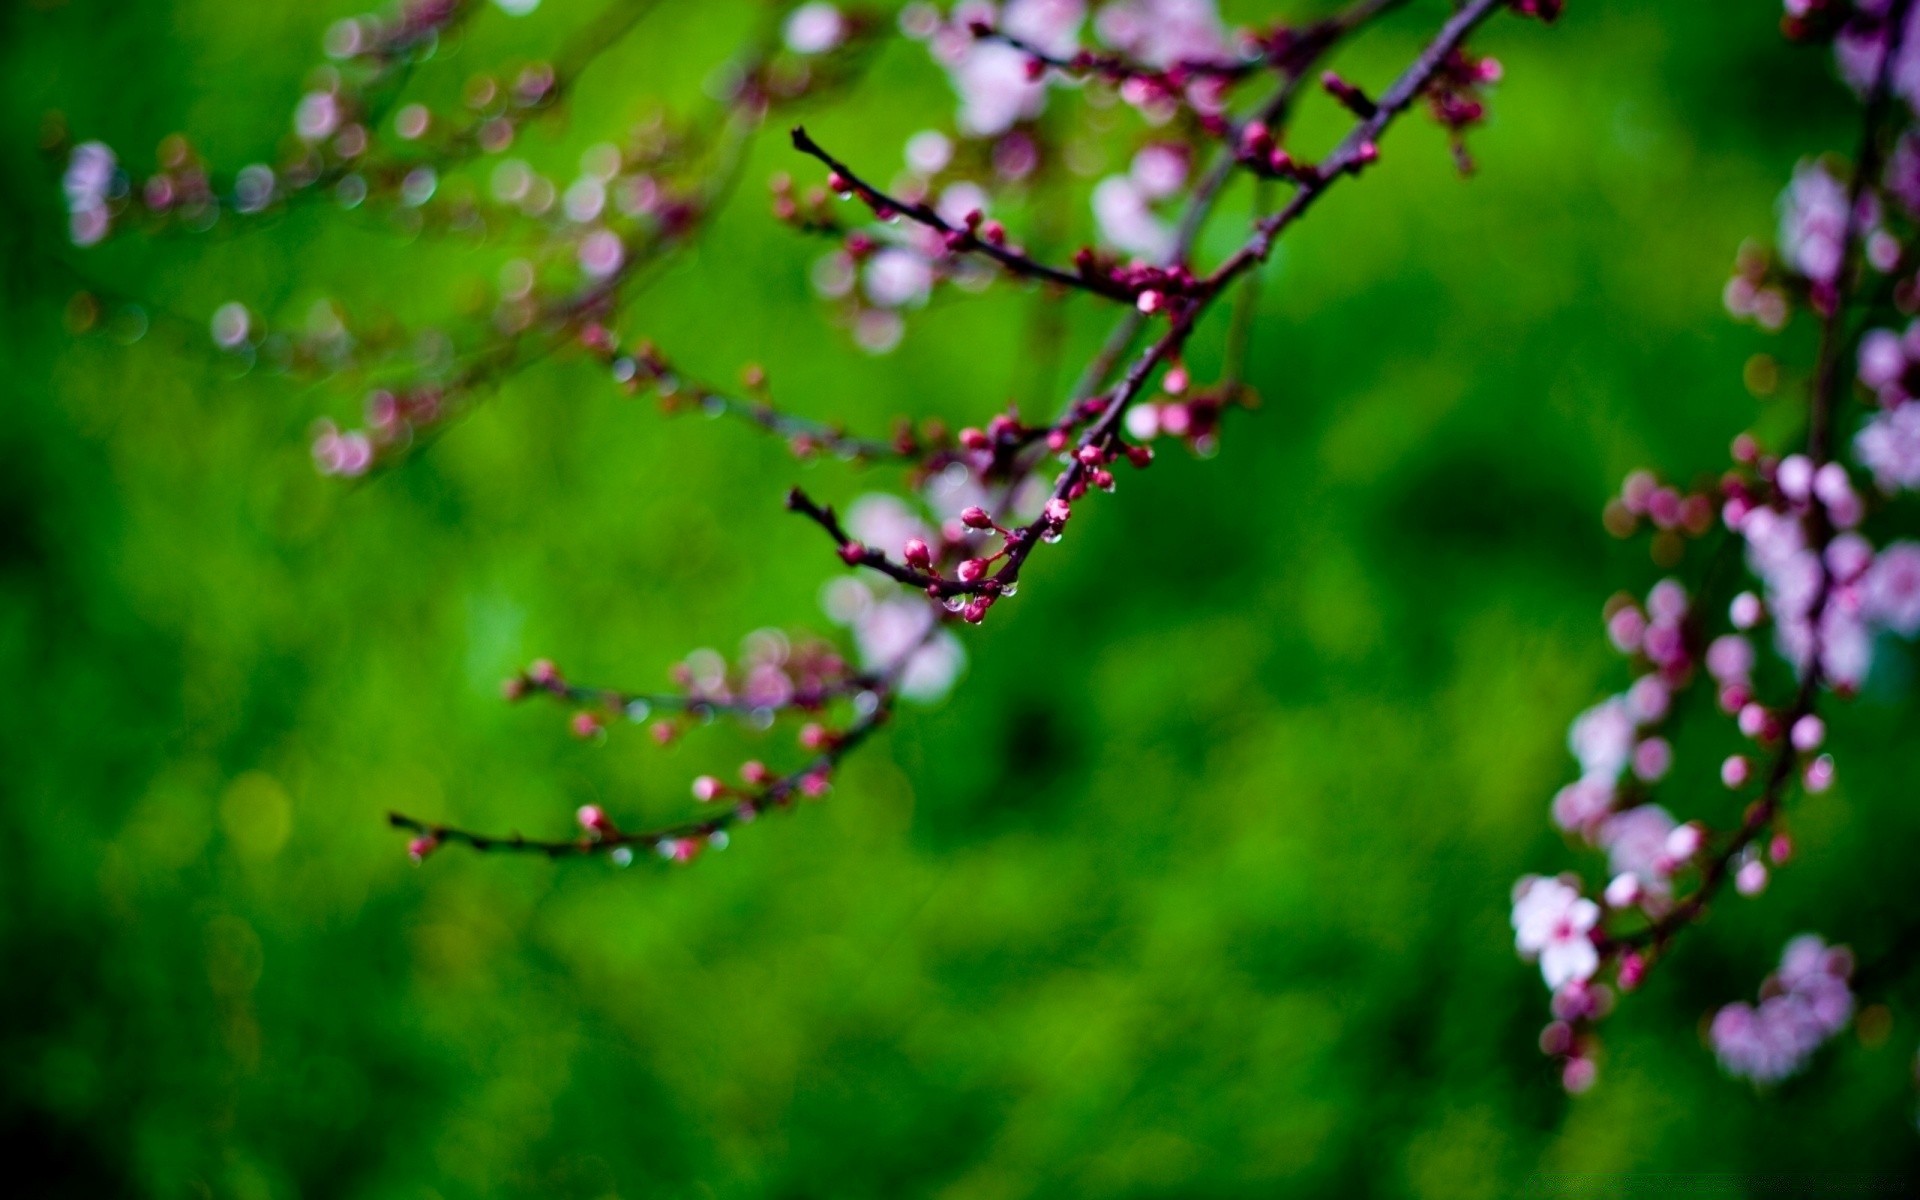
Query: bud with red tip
(1633, 969)
(420, 847)
(706, 789)
(755, 772)
(585, 725)
(975, 517)
(853, 553)
(594, 820)
(543, 673)
(918, 556)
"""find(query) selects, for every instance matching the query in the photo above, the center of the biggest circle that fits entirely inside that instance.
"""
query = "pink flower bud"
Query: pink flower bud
(1736, 771)
(975, 517)
(918, 556)
(1623, 891)
(852, 553)
(593, 819)
(1780, 849)
(1057, 511)
(975, 610)
(755, 772)
(1819, 774)
(1149, 302)
(1633, 969)
(815, 736)
(1652, 758)
(706, 789)
(585, 725)
(815, 784)
(664, 732)
(1556, 1038)
(1794, 477)
(975, 439)
(1578, 1075)
(543, 673)
(1745, 611)
(1751, 878)
(420, 847)
(1684, 842)
(1808, 732)
(972, 569)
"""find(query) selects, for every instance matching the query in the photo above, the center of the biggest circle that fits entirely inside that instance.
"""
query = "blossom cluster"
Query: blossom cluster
(1829, 590)
(1802, 1005)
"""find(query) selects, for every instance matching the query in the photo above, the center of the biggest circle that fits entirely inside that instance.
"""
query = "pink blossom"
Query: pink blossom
(1120, 207)
(1602, 739)
(1805, 1003)
(1730, 658)
(1553, 922)
(1813, 222)
(1889, 446)
(601, 253)
(1861, 48)
(1892, 588)
(1636, 843)
(814, 28)
(1163, 32)
(897, 278)
(91, 175)
(1582, 805)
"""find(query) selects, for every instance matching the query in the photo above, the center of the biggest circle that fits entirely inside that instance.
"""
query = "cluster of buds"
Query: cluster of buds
(1457, 99)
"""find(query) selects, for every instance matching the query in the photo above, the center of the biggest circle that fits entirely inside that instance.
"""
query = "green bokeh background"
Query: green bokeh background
(1196, 887)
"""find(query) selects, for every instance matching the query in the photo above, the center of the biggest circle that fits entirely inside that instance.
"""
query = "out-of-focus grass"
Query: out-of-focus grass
(1197, 886)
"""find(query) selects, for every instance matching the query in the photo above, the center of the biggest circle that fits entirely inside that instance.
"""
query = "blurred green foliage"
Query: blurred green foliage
(1198, 885)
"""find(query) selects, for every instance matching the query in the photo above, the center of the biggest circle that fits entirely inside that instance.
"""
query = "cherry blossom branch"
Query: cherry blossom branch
(1098, 445)
(681, 841)
(1360, 148)
(1271, 115)
(1087, 433)
(972, 238)
(1828, 385)
(644, 367)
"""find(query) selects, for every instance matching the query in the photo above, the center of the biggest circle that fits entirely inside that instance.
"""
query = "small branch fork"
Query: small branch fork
(1087, 432)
